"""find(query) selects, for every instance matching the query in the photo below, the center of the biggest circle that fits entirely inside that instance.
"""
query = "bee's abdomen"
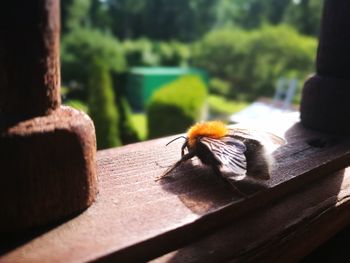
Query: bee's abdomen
(258, 161)
(205, 155)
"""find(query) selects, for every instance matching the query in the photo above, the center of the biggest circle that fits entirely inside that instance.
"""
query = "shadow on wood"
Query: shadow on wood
(11, 240)
(198, 188)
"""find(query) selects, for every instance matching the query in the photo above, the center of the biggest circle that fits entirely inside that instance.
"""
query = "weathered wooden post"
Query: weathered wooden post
(325, 102)
(47, 151)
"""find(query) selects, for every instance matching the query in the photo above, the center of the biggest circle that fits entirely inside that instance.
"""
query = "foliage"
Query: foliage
(173, 53)
(305, 16)
(250, 13)
(219, 87)
(140, 123)
(101, 106)
(140, 52)
(241, 43)
(185, 20)
(64, 91)
(81, 47)
(128, 133)
(75, 14)
(176, 106)
(99, 15)
(218, 105)
(143, 52)
(252, 61)
(77, 104)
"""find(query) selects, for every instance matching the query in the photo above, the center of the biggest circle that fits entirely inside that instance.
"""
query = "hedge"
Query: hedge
(101, 106)
(127, 131)
(176, 106)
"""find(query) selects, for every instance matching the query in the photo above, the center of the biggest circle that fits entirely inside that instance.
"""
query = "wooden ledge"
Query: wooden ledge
(136, 218)
(285, 231)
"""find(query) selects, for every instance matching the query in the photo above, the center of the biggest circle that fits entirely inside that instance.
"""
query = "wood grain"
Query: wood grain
(285, 231)
(136, 218)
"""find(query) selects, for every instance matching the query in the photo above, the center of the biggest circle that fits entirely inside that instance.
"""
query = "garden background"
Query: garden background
(244, 46)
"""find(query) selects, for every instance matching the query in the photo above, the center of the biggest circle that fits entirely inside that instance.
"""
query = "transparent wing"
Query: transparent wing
(229, 151)
(254, 134)
(269, 140)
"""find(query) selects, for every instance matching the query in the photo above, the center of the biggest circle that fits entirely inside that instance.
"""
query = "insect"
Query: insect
(232, 153)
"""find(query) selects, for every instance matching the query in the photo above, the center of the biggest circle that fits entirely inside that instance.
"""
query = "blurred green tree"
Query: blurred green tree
(74, 14)
(99, 15)
(81, 46)
(252, 61)
(185, 20)
(101, 105)
(305, 15)
(250, 13)
(144, 52)
(128, 133)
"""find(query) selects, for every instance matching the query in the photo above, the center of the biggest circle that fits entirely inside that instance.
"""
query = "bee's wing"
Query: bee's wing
(269, 140)
(229, 151)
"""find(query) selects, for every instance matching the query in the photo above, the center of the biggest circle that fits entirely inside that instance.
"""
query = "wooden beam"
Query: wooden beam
(136, 218)
(326, 95)
(47, 152)
(285, 231)
(29, 69)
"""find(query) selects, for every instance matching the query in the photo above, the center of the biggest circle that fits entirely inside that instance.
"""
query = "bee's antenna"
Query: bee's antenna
(176, 139)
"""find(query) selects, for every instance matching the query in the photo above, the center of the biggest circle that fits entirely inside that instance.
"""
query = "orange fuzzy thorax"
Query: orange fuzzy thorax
(212, 129)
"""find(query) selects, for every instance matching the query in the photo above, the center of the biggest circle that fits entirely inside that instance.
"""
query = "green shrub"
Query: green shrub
(139, 121)
(252, 61)
(219, 106)
(173, 53)
(81, 46)
(128, 133)
(219, 87)
(101, 106)
(140, 52)
(176, 106)
(77, 104)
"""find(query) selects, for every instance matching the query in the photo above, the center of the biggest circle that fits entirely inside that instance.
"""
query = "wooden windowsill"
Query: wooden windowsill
(284, 231)
(136, 218)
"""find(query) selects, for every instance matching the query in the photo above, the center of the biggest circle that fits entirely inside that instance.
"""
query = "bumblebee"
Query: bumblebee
(232, 153)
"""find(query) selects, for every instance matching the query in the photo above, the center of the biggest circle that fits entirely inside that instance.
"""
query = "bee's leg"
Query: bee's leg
(238, 190)
(183, 159)
(218, 173)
